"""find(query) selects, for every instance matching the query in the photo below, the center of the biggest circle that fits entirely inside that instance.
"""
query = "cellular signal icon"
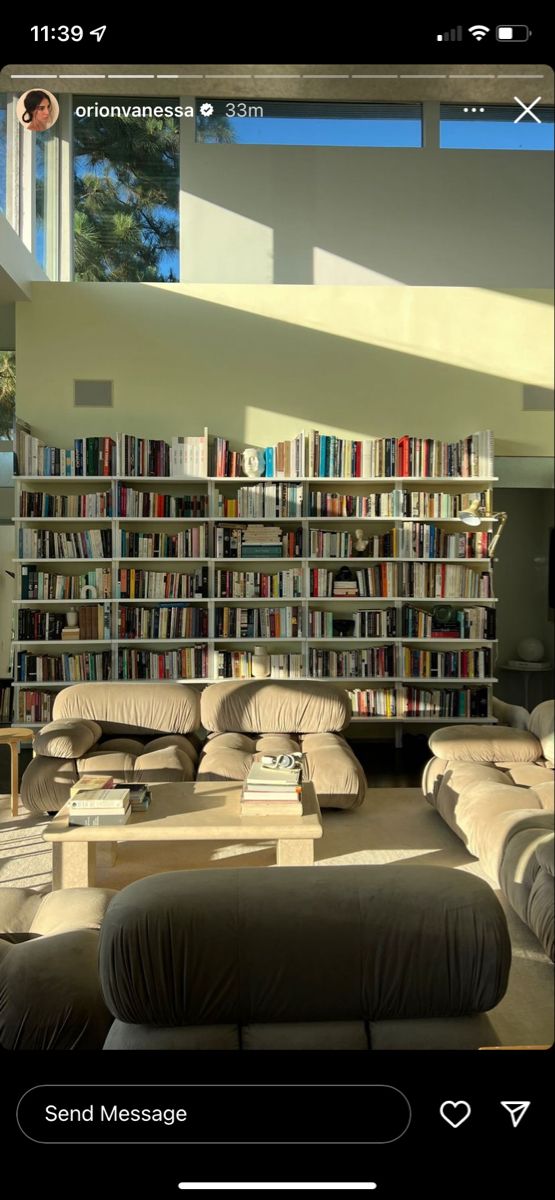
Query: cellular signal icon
(453, 35)
(478, 32)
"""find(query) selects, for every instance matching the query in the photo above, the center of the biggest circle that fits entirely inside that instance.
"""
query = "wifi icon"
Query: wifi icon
(478, 31)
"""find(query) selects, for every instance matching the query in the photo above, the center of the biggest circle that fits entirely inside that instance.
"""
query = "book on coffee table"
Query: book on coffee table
(102, 800)
(91, 783)
(88, 817)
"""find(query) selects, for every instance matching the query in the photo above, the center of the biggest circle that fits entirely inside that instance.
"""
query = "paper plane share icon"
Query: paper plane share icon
(516, 1109)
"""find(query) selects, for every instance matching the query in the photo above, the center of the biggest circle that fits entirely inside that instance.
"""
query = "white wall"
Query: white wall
(278, 214)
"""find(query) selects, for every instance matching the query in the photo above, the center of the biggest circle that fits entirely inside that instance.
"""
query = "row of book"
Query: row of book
(370, 458)
(43, 504)
(57, 668)
(135, 584)
(186, 456)
(46, 585)
(162, 622)
(412, 541)
(49, 543)
(266, 500)
(264, 622)
(417, 580)
(352, 664)
(237, 664)
(395, 503)
(443, 702)
(373, 702)
(89, 456)
(250, 585)
(369, 623)
(446, 664)
(261, 541)
(189, 663)
(318, 456)
(34, 707)
(190, 543)
(448, 622)
(132, 503)
(38, 625)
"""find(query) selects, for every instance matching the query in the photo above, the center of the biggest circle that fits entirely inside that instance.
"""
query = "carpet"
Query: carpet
(393, 825)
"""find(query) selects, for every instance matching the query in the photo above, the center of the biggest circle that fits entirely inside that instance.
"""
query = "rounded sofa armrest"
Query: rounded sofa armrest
(68, 738)
(466, 743)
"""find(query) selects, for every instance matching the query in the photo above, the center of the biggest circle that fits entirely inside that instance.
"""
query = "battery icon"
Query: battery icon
(512, 33)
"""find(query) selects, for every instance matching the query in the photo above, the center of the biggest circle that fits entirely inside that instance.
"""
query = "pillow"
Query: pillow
(131, 707)
(497, 743)
(268, 706)
(69, 738)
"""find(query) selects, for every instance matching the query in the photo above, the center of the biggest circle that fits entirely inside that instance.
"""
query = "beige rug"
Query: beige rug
(392, 825)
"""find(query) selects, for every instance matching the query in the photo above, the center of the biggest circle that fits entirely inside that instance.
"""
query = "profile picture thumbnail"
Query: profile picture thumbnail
(37, 110)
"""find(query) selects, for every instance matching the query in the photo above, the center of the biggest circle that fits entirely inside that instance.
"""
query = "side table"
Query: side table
(526, 670)
(12, 737)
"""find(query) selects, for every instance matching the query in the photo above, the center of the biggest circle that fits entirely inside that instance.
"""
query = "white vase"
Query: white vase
(260, 663)
(72, 618)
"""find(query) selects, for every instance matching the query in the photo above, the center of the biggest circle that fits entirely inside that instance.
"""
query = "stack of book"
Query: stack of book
(261, 541)
(272, 789)
(101, 806)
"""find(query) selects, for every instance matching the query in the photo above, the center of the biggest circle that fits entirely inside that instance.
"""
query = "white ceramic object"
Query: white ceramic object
(72, 618)
(253, 462)
(260, 663)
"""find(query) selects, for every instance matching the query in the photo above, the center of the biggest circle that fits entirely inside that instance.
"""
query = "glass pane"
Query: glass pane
(126, 192)
(46, 200)
(495, 127)
(3, 144)
(282, 123)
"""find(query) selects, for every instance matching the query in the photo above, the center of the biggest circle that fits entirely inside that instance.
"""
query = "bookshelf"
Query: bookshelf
(180, 577)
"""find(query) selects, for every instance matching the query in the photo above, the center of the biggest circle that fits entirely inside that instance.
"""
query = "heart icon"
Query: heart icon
(460, 1107)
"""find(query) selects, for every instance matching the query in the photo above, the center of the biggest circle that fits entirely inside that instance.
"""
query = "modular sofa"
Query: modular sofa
(336, 958)
(136, 732)
(244, 719)
(50, 997)
(494, 786)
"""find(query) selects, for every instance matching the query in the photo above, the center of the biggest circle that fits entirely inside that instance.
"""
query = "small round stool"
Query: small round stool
(12, 738)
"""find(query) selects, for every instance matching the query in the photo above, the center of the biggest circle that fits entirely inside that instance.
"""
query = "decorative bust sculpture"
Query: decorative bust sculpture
(360, 543)
(253, 463)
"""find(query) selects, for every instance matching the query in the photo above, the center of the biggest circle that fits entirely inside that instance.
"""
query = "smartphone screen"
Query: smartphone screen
(276, 606)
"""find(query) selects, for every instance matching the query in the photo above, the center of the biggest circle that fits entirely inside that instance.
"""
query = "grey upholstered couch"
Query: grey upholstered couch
(334, 958)
(494, 787)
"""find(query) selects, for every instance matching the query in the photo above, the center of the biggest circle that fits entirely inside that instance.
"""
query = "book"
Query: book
(278, 777)
(90, 783)
(89, 818)
(103, 800)
(274, 808)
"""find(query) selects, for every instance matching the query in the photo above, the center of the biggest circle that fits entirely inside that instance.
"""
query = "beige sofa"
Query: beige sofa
(244, 719)
(494, 786)
(134, 732)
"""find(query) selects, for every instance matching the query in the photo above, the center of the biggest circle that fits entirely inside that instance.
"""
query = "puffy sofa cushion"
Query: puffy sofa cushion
(131, 707)
(266, 706)
(69, 738)
(337, 943)
(46, 783)
(541, 723)
(466, 743)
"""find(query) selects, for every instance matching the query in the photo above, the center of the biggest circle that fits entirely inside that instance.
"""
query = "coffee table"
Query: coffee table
(183, 812)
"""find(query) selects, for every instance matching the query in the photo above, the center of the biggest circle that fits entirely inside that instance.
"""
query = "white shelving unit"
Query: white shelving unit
(210, 488)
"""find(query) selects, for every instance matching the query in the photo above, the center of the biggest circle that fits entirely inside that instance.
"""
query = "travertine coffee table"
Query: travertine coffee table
(183, 812)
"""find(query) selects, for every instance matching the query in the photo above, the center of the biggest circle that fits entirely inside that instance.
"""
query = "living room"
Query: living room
(427, 751)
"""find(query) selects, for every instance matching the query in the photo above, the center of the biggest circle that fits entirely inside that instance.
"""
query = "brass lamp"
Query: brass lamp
(474, 514)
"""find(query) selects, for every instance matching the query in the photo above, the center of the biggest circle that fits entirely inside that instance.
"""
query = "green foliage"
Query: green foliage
(7, 392)
(126, 197)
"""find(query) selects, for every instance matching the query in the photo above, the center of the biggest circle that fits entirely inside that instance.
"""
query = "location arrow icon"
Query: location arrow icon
(516, 1109)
